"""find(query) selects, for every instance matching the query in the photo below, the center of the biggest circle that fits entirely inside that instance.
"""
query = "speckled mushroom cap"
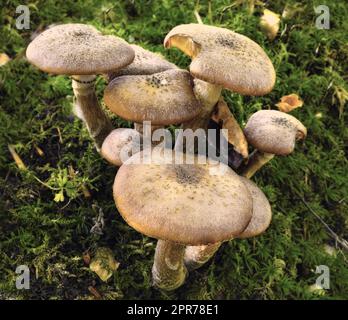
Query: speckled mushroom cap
(262, 212)
(225, 58)
(274, 132)
(78, 49)
(120, 143)
(163, 98)
(145, 62)
(183, 203)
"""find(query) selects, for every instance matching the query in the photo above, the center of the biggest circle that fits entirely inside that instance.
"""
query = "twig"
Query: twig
(338, 239)
(198, 17)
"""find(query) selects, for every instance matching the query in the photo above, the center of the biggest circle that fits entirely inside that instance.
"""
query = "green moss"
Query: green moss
(50, 236)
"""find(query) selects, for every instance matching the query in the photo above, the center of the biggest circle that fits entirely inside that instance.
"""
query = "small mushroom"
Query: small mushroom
(195, 257)
(82, 52)
(221, 59)
(180, 204)
(120, 145)
(144, 63)
(272, 133)
(163, 98)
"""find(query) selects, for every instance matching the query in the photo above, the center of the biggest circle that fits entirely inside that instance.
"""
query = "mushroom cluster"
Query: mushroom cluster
(185, 205)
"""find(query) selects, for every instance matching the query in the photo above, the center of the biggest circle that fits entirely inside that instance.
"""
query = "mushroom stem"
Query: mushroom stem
(256, 161)
(197, 256)
(87, 108)
(140, 127)
(208, 95)
(169, 271)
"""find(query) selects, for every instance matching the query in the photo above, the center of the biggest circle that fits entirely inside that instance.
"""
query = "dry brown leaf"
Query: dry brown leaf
(85, 191)
(270, 23)
(103, 263)
(20, 164)
(39, 151)
(4, 58)
(86, 258)
(225, 118)
(95, 293)
(289, 103)
(340, 96)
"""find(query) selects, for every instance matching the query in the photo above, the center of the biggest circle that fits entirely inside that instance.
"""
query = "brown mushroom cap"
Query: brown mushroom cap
(225, 58)
(262, 212)
(183, 203)
(274, 132)
(145, 62)
(120, 140)
(163, 98)
(78, 49)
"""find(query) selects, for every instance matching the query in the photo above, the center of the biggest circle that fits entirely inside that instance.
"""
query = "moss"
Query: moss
(51, 236)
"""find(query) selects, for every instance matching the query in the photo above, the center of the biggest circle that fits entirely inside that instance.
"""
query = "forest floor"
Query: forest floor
(48, 208)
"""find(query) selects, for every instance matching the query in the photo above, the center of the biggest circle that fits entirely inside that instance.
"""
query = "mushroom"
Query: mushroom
(221, 59)
(145, 62)
(272, 133)
(196, 256)
(180, 204)
(82, 52)
(163, 98)
(120, 144)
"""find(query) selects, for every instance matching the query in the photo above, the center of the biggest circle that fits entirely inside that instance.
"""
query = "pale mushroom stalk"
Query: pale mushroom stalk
(208, 95)
(256, 161)
(87, 108)
(140, 127)
(169, 271)
(197, 256)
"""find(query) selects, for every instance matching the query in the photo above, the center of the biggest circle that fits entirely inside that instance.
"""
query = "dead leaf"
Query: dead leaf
(225, 118)
(270, 23)
(95, 292)
(340, 96)
(39, 151)
(86, 258)
(20, 164)
(4, 58)
(85, 191)
(103, 263)
(289, 103)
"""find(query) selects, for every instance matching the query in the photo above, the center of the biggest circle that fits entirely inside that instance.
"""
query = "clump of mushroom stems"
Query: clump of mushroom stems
(169, 271)
(87, 108)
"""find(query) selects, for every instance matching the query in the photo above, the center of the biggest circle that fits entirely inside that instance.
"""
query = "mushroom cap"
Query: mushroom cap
(182, 203)
(78, 49)
(225, 58)
(120, 142)
(145, 62)
(262, 212)
(274, 132)
(163, 98)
